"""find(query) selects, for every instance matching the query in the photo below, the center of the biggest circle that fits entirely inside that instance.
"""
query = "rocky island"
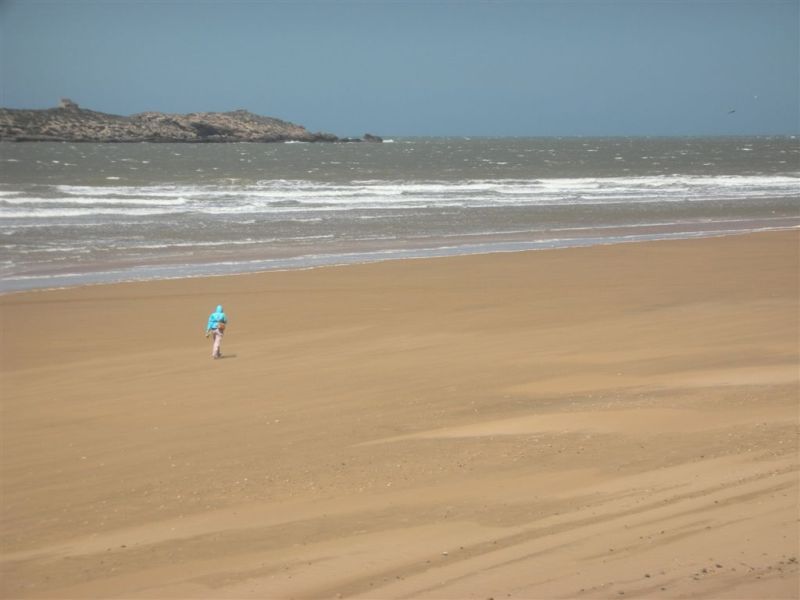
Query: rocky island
(71, 123)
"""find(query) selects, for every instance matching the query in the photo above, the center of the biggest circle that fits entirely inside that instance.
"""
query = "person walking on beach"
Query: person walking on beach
(217, 321)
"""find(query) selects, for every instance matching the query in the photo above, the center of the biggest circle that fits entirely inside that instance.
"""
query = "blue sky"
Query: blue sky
(569, 67)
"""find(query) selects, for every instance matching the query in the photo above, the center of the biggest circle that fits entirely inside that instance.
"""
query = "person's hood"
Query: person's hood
(219, 308)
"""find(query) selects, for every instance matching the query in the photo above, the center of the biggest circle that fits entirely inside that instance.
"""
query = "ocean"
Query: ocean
(76, 214)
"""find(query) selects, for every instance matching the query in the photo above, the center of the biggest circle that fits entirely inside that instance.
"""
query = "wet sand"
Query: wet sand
(617, 421)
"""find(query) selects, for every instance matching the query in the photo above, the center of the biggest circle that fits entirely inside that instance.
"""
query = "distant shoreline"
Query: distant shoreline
(71, 123)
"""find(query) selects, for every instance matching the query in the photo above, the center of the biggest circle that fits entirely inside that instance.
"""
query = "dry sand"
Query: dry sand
(606, 422)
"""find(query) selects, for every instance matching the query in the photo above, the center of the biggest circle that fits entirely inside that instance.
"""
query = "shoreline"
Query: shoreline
(588, 423)
(168, 272)
(84, 211)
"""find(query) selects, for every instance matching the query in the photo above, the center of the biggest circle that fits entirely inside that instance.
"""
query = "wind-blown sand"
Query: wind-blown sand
(587, 423)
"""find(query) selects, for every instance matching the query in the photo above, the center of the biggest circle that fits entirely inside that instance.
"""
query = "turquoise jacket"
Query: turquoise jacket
(216, 317)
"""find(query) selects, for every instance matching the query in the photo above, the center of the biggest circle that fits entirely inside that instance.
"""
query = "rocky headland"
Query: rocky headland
(71, 123)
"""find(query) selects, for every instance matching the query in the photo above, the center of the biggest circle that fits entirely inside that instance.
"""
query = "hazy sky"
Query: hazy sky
(527, 67)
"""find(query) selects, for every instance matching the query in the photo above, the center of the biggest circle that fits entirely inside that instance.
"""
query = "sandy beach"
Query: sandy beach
(604, 422)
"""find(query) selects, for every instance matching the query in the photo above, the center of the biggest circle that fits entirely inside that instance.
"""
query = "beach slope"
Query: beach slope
(606, 422)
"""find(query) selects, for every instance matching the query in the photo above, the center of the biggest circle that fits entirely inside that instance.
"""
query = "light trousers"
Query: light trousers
(215, 348)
